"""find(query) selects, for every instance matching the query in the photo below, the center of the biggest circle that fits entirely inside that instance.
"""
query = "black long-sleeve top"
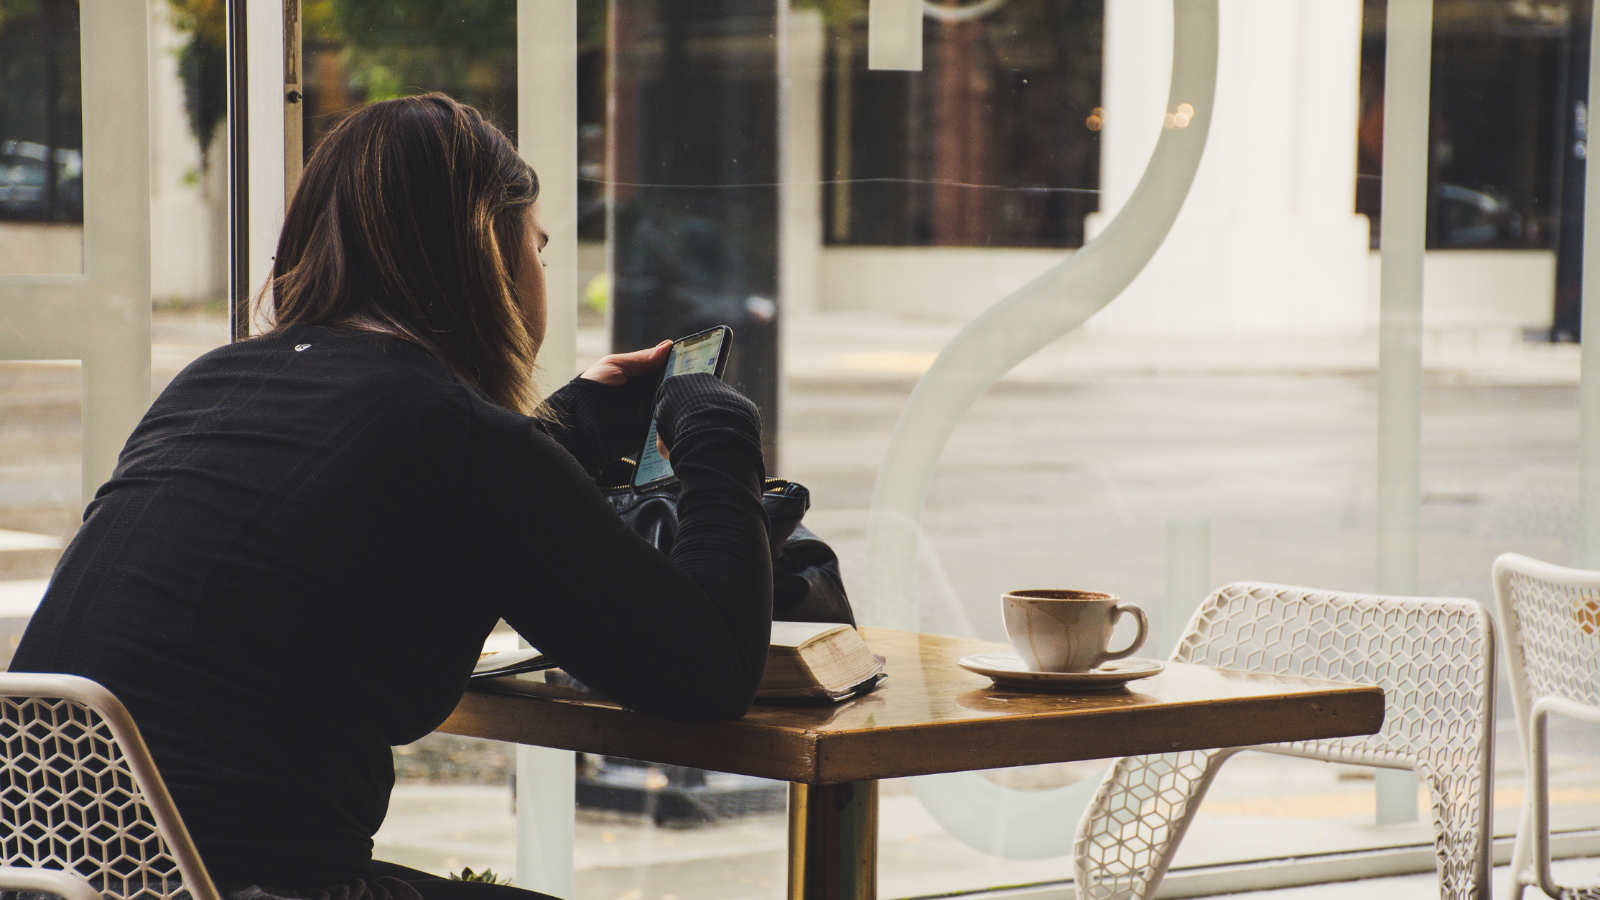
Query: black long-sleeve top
(308, 537)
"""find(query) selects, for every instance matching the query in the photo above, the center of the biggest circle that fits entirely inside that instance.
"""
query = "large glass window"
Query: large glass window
(1216, 423)
(43, 219)
(739, 163)
(1502, 85)
(41, 232)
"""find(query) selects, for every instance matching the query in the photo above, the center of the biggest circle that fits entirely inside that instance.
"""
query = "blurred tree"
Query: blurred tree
(465, 48)
(17, 9)
(203, 67)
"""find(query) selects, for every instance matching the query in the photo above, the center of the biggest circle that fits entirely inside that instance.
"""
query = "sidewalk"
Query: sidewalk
(1106, 440)
(445, 828)
(843, 346)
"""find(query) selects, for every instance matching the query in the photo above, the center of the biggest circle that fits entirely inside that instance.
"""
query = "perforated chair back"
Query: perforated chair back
(80, 794)
(1551, 618)
(1434, 659)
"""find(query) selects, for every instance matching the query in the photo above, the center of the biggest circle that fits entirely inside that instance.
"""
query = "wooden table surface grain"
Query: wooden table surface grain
(932, 716)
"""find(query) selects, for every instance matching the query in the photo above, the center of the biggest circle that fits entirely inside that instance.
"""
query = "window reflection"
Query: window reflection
(693, 149)
(1501, 77)
(994, 144)
(1071, 470)
(1076, 468)
(41, 138)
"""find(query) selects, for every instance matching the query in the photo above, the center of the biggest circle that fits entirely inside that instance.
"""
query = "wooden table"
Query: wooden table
(929, 716)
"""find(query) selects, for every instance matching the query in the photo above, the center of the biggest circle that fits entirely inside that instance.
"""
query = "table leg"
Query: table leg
(833, 841)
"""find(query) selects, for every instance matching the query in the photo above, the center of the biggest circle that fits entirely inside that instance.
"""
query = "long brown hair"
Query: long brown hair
(409, 219)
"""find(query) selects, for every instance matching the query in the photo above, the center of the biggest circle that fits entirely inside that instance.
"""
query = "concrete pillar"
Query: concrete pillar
(1268, 242)
(801, 56)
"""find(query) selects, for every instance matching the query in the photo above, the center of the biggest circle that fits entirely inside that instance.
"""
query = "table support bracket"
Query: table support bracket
(833, 841)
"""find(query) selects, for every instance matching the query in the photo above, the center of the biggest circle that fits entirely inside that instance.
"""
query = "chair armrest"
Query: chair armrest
(68, 885)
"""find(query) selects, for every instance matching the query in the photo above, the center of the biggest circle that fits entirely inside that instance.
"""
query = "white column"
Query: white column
(894, 34)
(101, 315)
(1405, 205)
(547, 136)
(800, 61)
(545, 803)
(1268, 242)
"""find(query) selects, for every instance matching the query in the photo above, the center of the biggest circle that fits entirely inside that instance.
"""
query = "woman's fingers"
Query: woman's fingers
(643, 362)
(662, 449)
(617, 368)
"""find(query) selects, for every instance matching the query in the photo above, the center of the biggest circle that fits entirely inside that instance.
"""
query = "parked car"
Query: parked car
(25, 183)
(1473, 218)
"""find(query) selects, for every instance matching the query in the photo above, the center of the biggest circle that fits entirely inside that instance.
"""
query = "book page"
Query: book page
(793, 634)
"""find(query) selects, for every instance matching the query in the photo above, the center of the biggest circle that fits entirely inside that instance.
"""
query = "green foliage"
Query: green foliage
(203, 66)
(203, 69)
(17, 9)
(399, 47)
(593, 20)
(382, 83)
(481, 29)
(207, 19)
(466, 48)
(317, 22)
(836, 13)
(487, 876)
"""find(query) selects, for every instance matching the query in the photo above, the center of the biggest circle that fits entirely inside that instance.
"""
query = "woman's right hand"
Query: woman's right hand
(620, 368)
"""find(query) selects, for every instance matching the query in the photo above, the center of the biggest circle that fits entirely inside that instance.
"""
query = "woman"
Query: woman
(309, 535)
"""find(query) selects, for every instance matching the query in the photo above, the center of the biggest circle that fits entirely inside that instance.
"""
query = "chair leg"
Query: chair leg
(1131, 831)
(1461, 838)
(1522, 873)
(1539, 794)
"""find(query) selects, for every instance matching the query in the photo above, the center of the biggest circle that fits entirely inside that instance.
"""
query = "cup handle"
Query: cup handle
(1138, 639)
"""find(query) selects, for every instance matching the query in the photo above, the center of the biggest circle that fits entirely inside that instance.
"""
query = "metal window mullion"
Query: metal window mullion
(238, 174)
(1589, 380)
(262, 47)
(1408, 55)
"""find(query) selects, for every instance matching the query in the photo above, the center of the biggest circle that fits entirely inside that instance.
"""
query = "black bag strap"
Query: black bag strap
(806, 584)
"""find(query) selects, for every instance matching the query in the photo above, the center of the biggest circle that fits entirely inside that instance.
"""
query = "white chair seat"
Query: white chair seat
(1434, 659)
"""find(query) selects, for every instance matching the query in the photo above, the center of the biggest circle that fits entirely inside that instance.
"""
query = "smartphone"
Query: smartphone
(703, 352)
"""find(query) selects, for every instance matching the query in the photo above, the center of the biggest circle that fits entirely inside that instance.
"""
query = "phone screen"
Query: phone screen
(696, 353)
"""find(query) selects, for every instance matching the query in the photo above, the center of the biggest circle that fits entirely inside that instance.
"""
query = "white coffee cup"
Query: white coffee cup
(1067, 631)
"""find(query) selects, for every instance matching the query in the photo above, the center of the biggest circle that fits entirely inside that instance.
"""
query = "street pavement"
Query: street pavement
(1069, 472)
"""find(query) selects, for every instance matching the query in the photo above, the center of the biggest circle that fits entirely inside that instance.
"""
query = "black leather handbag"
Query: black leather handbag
(806, 585)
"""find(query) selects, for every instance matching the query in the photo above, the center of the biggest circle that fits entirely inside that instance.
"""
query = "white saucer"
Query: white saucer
(1007, 669)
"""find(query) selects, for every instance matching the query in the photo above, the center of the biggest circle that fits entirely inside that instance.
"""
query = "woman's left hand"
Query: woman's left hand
(619, 368)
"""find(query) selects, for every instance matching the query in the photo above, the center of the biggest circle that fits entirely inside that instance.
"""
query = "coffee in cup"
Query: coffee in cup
(1067, 631)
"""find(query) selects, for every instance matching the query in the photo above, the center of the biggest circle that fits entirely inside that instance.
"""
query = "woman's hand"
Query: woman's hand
(619, 368)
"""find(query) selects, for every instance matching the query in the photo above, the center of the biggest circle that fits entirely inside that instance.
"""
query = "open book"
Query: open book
(807, 661)
(820, 661)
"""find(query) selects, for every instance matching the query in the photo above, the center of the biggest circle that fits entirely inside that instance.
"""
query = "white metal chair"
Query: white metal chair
(83, 812)
(1551, 618)
(1434, 659)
